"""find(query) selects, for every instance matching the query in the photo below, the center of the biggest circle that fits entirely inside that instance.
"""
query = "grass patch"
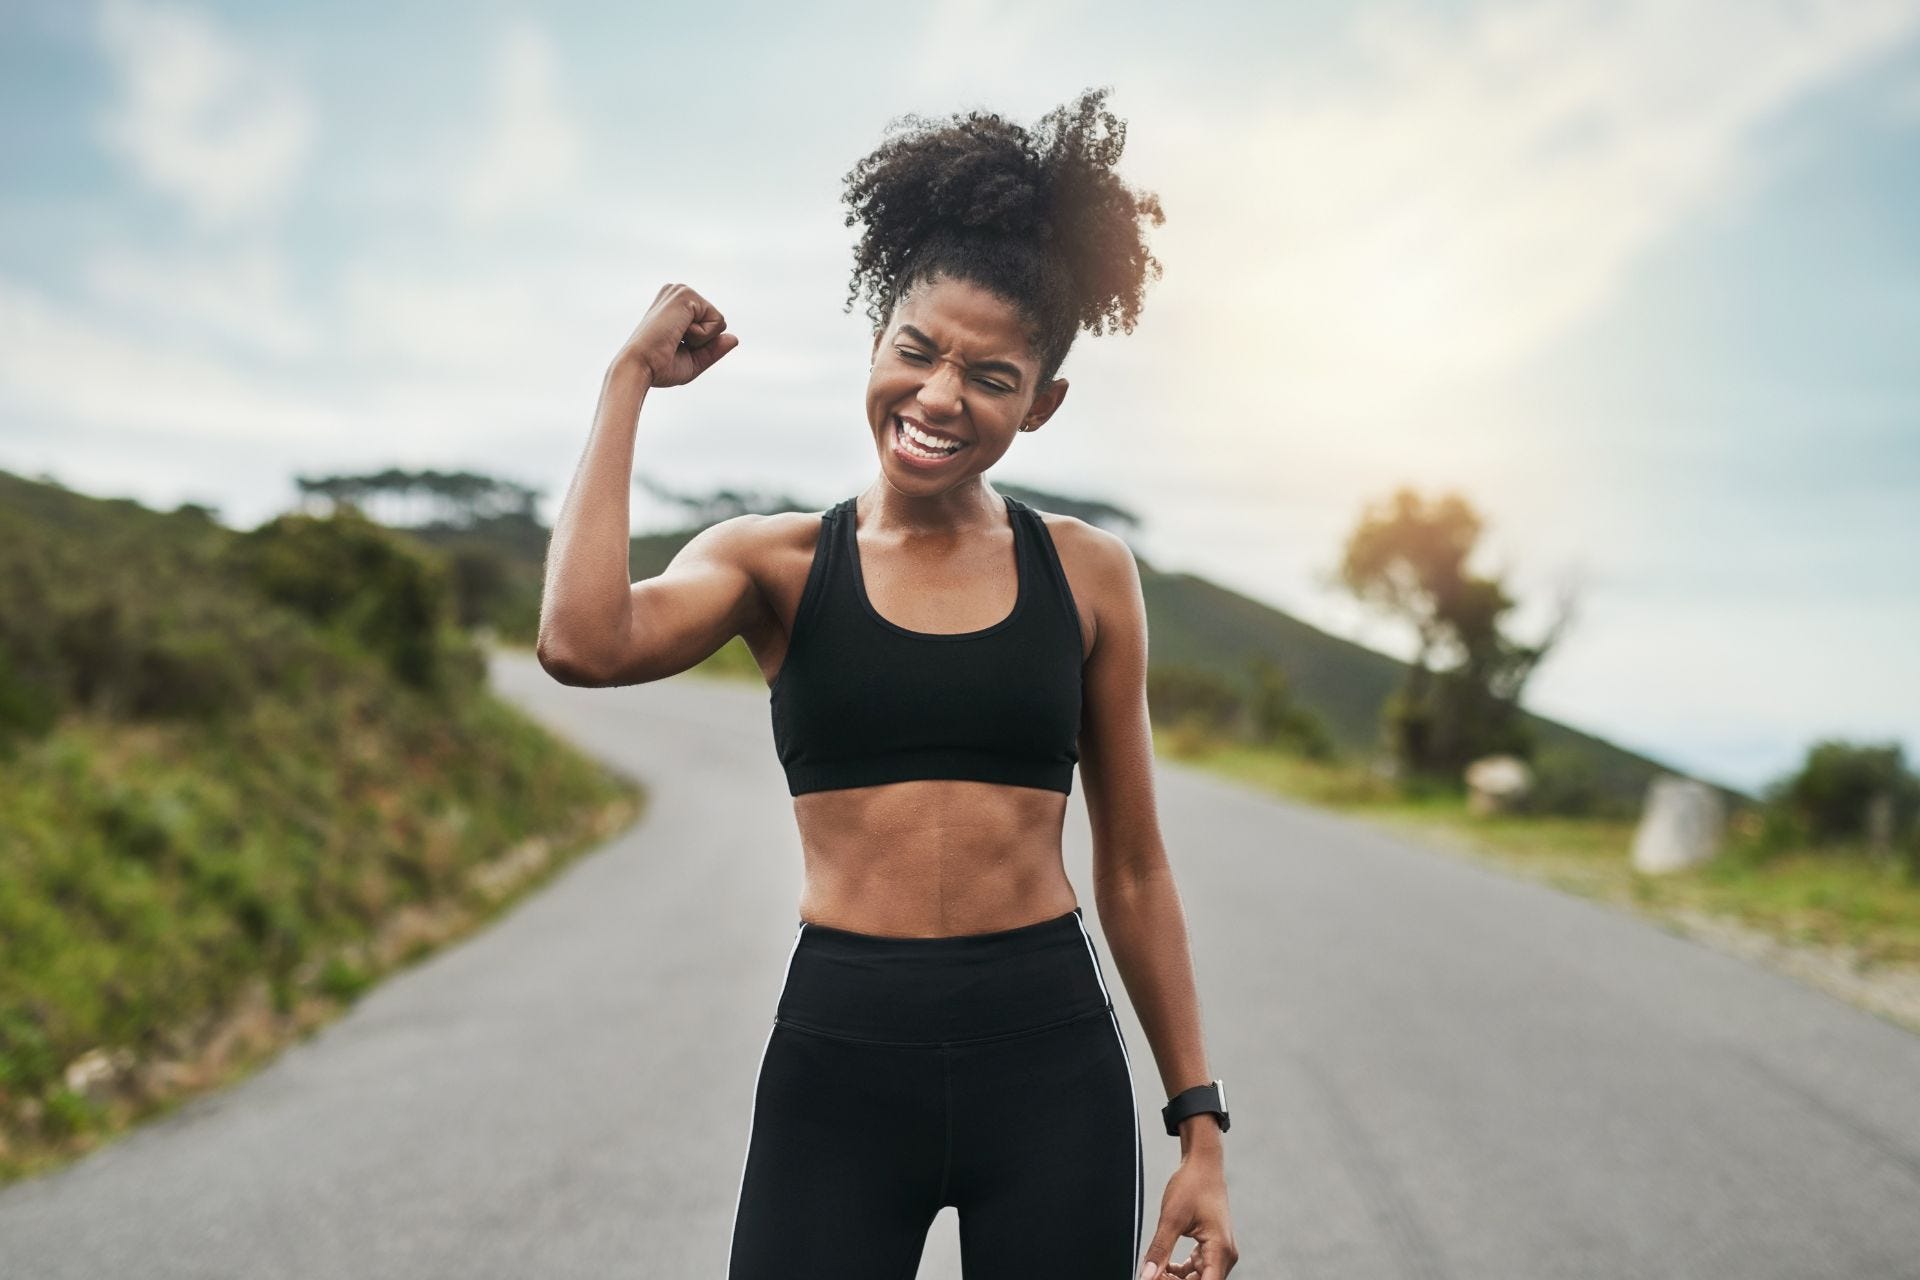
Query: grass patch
(1838, 896)
(171, 890)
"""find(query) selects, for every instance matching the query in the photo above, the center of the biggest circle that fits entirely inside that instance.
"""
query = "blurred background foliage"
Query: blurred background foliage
(227, 756)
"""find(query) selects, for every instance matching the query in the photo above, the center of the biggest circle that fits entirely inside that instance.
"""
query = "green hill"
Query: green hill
(1196, 623)
(241, 775)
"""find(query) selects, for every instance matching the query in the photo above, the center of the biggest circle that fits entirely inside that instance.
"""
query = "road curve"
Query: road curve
(1436, 1071)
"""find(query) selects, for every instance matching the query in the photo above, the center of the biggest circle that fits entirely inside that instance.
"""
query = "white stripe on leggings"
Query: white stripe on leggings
(753, 1100)
(1139, 1156)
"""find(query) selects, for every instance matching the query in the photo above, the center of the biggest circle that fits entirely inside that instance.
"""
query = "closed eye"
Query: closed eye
(919, 358)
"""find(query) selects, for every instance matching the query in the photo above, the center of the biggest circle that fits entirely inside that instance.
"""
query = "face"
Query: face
(953, 363)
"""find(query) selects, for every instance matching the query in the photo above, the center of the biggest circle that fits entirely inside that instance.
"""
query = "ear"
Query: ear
(1045, 404)
(875, 353)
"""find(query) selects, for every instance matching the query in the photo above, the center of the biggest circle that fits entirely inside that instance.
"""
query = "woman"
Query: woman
(946, 1034)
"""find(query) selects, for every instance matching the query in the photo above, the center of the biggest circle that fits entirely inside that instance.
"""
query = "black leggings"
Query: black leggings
(984, 1071)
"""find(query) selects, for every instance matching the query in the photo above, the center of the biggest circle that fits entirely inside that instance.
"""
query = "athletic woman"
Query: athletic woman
(940, 657)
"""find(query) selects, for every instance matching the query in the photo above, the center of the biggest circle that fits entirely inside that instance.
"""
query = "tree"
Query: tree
(1836, 786)
(410, 499)
(1408, 558)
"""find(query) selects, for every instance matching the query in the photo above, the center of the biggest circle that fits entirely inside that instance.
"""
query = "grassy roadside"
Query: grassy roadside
(182, 901)
(1834, 917)
(244, 774)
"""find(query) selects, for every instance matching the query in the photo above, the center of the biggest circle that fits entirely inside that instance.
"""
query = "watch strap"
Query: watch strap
(1211, 1096)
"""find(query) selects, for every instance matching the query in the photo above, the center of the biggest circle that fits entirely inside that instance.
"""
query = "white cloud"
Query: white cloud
(531, 155)
(200, 117)
(59, 365)
(441, 325)
(984, 49)
(1465, 191)
(242, 296)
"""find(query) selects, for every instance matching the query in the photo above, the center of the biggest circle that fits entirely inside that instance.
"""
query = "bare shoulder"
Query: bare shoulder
(1100, 567)
(756, 543)
(777, 551)
(1089, 553)
(785, 535)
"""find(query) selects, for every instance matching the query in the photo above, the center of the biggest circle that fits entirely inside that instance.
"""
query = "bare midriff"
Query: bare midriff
(932, 858)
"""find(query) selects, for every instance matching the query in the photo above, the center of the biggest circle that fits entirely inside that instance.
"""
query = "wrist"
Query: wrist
(1189, 1105)
(630, 367)
(1200, 1135)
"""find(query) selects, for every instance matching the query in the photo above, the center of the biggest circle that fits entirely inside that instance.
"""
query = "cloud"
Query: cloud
(241, 296)
(530, 156)
(984, 49)
(1460, 193)
(199, 117)
(58, 364)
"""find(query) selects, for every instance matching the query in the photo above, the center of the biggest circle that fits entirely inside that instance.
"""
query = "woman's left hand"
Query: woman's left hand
(1195, 1205)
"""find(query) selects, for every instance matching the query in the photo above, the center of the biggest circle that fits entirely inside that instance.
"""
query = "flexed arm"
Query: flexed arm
(591, 616)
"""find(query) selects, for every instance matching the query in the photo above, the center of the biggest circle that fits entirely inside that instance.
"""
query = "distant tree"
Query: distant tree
(412, 499)
(1195, 697)
(482, 581)
(382, 589)
(1461, 698)
(1830, 794)
(703, 509)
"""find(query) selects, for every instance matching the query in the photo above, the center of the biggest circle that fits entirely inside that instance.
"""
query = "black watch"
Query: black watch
(1191, 1102)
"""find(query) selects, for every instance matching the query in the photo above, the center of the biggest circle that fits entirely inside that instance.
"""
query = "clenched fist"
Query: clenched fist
(681, 335)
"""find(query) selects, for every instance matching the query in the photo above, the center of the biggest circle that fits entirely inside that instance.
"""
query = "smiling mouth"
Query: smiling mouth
(913, 440)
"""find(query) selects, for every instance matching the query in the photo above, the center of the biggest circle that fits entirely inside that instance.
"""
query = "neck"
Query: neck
(964, 507)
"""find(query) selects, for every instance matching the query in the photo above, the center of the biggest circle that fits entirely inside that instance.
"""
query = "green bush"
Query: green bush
(68, 1113)
(482, 581)
(1277, 719)
(1566, 784)
(1193, 696)
(27, 707)
(384, 591)
(124, 626)
(1827, 800)
(343, 980)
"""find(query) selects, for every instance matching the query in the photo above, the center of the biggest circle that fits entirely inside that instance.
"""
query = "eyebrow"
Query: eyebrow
(984, 366)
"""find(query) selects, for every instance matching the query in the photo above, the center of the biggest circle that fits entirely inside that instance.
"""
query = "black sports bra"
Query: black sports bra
(859, 701)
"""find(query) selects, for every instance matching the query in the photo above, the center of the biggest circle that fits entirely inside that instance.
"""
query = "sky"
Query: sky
(1637, 280)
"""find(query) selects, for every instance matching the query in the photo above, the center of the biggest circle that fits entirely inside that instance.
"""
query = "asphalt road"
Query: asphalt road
(1436, 1072)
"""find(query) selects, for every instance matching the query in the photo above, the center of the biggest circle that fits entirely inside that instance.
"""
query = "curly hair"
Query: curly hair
(1036, 216)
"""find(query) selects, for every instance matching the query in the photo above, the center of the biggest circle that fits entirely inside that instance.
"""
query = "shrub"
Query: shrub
(1193, 695)
(382, 590)
(1566, 784)
(1278, 720)
(1828, 797)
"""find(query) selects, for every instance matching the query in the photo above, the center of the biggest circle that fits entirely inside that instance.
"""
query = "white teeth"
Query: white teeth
(922, 445)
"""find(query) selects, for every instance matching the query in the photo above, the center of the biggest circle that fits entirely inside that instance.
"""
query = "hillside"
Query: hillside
(241, 775)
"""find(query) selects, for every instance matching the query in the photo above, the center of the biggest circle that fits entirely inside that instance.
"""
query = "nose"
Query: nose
(940, 393)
